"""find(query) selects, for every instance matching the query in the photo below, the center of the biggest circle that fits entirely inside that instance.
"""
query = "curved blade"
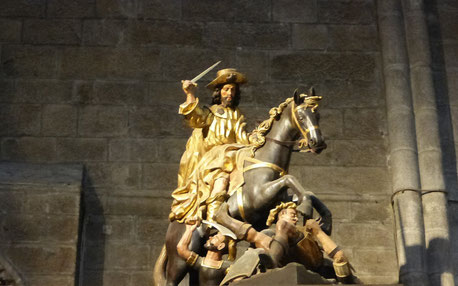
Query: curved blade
(224, 230)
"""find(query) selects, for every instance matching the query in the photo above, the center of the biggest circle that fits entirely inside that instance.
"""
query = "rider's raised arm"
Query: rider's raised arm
(189, 89)
(194, 115)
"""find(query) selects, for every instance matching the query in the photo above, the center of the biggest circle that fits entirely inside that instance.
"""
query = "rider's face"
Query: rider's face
(289, 215)
(228, 94)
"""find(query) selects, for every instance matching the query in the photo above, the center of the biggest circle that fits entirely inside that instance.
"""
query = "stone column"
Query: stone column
(410, 242)
(434, 199)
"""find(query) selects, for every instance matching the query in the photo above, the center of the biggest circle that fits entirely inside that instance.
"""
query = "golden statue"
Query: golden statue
(199, 194)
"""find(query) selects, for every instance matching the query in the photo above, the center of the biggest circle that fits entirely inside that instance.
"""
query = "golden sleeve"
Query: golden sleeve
(194, 115)
(242, 137)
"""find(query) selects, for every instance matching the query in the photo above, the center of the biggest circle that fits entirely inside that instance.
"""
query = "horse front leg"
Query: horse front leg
(272, 189)
(306, 203)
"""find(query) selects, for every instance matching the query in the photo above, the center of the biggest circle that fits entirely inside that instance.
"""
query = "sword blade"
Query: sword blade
(224, 230)
(199, 76)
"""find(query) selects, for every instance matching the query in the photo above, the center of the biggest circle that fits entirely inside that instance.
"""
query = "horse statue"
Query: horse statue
(266, 182)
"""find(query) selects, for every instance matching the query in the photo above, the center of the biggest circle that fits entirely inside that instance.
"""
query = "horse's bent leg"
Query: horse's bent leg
(271, 189)
(310, 201)
(242, 230)
(307, 200)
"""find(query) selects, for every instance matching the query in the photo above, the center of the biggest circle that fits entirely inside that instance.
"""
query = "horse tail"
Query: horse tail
(159, 268)
(325, 213)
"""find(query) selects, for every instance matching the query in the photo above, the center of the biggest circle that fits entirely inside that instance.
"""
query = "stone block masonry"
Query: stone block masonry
(39, 221)
(97, 83)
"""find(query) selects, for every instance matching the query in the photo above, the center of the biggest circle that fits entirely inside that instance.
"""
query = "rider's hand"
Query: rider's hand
(188, 87)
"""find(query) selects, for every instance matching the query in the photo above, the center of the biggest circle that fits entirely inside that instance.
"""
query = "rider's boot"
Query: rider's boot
(239, 228)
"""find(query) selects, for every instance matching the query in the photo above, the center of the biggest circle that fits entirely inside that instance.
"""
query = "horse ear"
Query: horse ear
(312, 91)
(297, 98)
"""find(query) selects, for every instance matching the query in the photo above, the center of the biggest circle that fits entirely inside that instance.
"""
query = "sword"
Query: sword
(199, 76)
(224, 230)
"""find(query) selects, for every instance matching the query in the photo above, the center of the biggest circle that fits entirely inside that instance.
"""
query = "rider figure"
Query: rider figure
(222, 123)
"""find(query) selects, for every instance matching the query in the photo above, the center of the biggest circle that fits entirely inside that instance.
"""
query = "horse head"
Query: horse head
(306, 119)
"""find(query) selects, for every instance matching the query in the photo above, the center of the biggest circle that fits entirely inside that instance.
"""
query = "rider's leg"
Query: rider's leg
(218, 195)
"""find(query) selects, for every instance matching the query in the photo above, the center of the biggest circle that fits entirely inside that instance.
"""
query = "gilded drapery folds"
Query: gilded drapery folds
(200, 168)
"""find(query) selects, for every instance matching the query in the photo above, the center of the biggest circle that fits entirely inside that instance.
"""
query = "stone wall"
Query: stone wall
(98, 82)
(39, 222)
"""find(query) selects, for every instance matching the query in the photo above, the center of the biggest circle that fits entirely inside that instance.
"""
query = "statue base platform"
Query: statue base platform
(292, 274)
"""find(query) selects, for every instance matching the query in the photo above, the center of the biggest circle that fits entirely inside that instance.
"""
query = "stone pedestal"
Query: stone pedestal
(39, 222)
(292, 274)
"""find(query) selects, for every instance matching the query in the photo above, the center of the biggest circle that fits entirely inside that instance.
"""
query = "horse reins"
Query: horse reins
(302, 142)
(283, 143)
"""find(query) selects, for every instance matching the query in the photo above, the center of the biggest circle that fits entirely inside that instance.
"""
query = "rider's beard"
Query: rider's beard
(227, 103)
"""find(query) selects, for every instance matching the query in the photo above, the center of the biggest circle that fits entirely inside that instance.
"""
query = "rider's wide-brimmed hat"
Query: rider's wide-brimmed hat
(225, 76)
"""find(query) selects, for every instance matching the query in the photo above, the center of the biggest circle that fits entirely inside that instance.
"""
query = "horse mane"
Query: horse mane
(258, 135)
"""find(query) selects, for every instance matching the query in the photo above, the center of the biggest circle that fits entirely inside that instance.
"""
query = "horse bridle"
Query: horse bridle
(310, 102)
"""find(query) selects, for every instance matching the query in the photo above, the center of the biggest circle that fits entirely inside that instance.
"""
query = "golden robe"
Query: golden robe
(200, 168)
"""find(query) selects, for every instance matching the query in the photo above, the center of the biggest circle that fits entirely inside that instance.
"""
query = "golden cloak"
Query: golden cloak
(213, 126)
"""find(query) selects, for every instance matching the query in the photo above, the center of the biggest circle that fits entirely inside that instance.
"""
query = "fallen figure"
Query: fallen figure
(212, 268)
(286, 243)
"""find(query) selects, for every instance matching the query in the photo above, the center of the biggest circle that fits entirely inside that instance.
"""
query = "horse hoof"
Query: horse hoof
(305, 208)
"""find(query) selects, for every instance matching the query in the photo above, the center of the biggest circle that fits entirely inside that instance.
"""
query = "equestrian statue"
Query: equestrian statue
(226, 171)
